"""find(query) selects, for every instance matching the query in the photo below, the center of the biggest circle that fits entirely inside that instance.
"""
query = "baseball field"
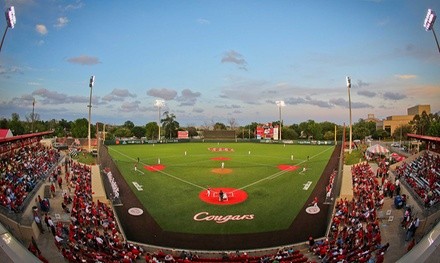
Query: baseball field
(221, 188)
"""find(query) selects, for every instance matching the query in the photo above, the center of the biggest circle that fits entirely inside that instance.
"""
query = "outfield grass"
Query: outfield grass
(172, 196)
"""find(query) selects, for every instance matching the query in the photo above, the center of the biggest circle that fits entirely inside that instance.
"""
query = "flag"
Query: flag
(33, 103)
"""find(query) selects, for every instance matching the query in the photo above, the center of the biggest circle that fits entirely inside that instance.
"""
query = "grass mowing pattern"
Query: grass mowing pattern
(171, 196)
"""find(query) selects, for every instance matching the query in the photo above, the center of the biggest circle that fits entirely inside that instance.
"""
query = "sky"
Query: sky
(218, 61)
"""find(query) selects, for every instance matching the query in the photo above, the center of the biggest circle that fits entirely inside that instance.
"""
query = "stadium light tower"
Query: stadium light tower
(429, 24)
(280, 104)
(92, 82)
(159, 104)
(10, 21)
(349, 107)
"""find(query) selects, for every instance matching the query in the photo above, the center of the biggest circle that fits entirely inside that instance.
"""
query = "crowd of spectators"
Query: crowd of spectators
(423, 176)
(21, 170)
(92, 234)
(354, 233)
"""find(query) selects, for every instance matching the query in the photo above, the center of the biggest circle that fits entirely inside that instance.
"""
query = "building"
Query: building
(391, 123)
(5, 133)
(371, 118)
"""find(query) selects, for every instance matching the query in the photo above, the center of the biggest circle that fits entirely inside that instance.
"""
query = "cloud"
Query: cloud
(234, 57)
(132, 106)
(41, 29)
(367, 93)
(405, 77)
(55, 98)
(319, 103)
(33, 83)
(118, 95)
(203, 21)
(354, 105)
(166, 94)
(233, 106)
(362, 84)
(198, 110)
(393, 96)
(84, 60)
(188, 98)
(24, 100)
(61, 22)
(307, 100)
(10, 70)
(77, 5)
(360, 105)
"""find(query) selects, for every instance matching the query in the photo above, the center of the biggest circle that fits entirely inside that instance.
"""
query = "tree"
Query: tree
(129, 125)
(311, 129)
(434, 130)
(363, 128)
(138, 131)
(151, 130)
(15, 125)
(380, 134)
(232, 123)
(80, 128)
(192, 131)
(329, 136)
(170, 125)
(219, 126)
(3, 123)
(327, 126)
(401, 132)
(289, 133)
(123, 132)
(422, 124)
(31, 119)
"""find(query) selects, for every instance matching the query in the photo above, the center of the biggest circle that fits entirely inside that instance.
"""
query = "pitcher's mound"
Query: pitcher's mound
(221, 170)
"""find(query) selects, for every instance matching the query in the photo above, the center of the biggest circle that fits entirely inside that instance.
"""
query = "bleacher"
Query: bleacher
(423, 176)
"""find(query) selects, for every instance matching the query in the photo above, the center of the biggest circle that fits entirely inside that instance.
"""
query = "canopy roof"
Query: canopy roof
(377, 149)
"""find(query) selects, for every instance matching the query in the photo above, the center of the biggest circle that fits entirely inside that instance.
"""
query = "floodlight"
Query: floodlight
(348, 82)
(10, 22)
(280, 103)
(10, 17)
(429, 19)
(429, 24)
(92, 81)
(159, 103)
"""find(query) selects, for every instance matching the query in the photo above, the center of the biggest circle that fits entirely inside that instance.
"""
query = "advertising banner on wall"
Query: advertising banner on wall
(182, 134)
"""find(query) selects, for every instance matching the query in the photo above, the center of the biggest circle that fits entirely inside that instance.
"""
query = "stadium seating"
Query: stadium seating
(355, 234)
(423, 176)
(22, 169)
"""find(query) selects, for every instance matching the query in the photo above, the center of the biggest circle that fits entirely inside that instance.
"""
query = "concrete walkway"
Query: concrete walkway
(390, 228)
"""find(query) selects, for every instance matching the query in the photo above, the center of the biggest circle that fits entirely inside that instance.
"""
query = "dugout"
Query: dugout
(219, 135)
